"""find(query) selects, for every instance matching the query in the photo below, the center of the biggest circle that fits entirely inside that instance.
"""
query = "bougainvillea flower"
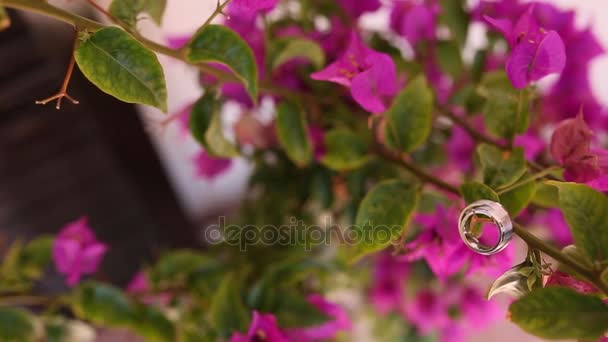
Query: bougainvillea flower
(532, 145)
(440, 245)
(571, 148)
(209, 167)
(370, 75)
(414, 21)
(317, 137)
(263, 327)
(554, 221)
(339, 321)
(250, 7)
(535, 52)
(388, 285)
(559, 278)
(178, 42)
(355, 8)
(76, 251)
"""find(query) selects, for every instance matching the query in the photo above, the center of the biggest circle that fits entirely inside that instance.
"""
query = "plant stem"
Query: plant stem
(536, 176)
(472, 131)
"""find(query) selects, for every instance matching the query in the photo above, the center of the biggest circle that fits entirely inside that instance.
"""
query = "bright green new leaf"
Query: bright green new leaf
(344, 150)
(228, 312)
(300, 48)
(474, 191)
(206, 127)
(218, 43)
(128, 10)
(292, 131)
(518, 199)
(5, 20)
(586, 211)
(15, 325)
(122, 67)
(449, 58)
(561, 313)
(153, 325)
(103, 304)
(383, 215)
(501, 168)
(408, 120)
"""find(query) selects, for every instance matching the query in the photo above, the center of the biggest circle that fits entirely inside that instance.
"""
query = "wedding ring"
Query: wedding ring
(485, 211)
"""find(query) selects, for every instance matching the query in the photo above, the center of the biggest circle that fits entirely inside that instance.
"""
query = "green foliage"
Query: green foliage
(292, 131)
(518, 199)
(15, 325)
(122, 67)
(586, 211)
(227, 310)
(152, 324)
(128, 10)
(24, 264)
(454, 16)
(474, 191)
(561, 313)
(501, 168)
(206, 127)
(506, 109)
(103, 304)
(345, 150)
(384, 215)
(546, 196)
(174, 268)
(217, 43)
(408, 120)
(291, 48)
(449, 58)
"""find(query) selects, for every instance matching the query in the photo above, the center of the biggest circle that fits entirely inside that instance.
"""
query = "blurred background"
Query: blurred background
(119, 164)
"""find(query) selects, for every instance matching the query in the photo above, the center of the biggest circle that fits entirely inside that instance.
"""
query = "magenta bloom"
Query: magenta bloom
(559, 278)
(325, 331)
(535, 52)
(76, 251)
(209, 167)
(263, 327)
(388, 286)
(370, 75)
(571, 148)
(532, 145)
(439, 244)
(355, 8)
(555, 222)
(317, 137)
(414, 21)
(250, 7)
(139, 283)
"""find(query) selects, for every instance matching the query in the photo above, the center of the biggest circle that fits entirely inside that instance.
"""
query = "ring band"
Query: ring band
(499, 216)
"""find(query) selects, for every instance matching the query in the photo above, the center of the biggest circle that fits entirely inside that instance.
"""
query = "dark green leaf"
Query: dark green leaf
(102, 304)
(408, 120)
(217, 43)
(294, 311)
(474, 191)
(36, 255)
(449, 58)
(586, 211)
(383, 215)
(300, 48)
(15, 325)
(206, 127)
(546, 196)
(122, 67)
(518, 199)
(454, 16)
(506, 109)
(345, 150)
(175, 267)
(152, 324)
(560, 313)
(501, 168)
(292, 131)
(228, 312)
(128, 10)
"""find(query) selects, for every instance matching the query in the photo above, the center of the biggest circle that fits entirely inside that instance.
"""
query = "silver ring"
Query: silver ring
(487, 210)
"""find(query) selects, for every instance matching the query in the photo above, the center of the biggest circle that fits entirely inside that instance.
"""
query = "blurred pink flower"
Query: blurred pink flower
(76, 251)
(263, 327)
(388, 284)
(209, 167)
(339, 321)
(414, 20)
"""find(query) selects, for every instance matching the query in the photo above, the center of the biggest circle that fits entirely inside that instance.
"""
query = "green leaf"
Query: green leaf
(122, 67)
(518, 199)
(506, 109)
(292, 131)
(15, 325)
(449, 58)
(408, 120)
(152, 324)
(5, 20)
(474, 191)
(300, 48)
(102, 304)
(128, 10)
(586, 211)
(501, 168)
(294, 311)
(228, 312)
(36, 255)
(345, 150)
(175, 267)
(560, 313)
(546, 196)
(206, 127)
(454, 16)
(383, 215)
(217, 43)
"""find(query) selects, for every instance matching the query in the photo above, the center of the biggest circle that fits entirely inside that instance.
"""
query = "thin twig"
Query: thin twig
(63, 92)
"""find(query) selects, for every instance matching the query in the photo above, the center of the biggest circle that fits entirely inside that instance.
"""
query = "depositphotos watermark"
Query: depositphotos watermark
(297, 233)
